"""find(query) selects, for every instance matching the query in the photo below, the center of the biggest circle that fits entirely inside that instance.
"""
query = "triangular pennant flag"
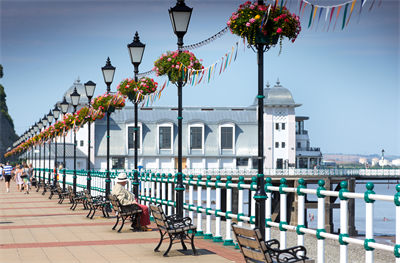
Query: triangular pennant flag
(319, 17)
(276, 3)
(216, 66)
(237, 48)
(301, 3)
(326, 18)
(380, 2)
(344, 15)
(312, 10)
(351, 11)
(359, 12)
(315, 11)
(231, 56)
(337, 15)
(303, 9)
(330, 20)
(222, 63)
(371, 5)
(281, 7)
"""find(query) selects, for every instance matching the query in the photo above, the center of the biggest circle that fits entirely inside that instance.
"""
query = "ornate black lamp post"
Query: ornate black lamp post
(44, 120)
(108, 74)
(75, 101)
(56, 113)
(90, 86)
(180, 17)
(50, 117)
(136, 50)
(64, 108)
(260, 194)
(40, 125)
(35, 129)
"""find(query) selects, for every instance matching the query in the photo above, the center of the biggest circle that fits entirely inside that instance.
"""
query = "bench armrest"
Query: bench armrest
(273, 242)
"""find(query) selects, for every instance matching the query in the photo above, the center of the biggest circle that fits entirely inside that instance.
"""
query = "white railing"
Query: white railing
(153, 191)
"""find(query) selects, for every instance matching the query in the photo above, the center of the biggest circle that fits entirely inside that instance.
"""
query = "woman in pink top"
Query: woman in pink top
(18, 179)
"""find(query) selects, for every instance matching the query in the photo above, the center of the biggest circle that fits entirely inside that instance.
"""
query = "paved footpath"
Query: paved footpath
(34, 228)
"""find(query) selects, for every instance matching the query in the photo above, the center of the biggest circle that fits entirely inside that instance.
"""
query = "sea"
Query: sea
(382, 209)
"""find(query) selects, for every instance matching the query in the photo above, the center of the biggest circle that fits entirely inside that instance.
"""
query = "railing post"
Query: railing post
(228, 238)
(184, 195)
(158, 189)
(369, 223)
(217, 237)
(301, 200)
(199, 206)
(321, 221)
(268, 205)
(153, 188)
(143, 189)
(208, 234)
(283, 213)
(240, 201)
(148, 194)
(170, 193)
(252, 201)
(343, 221)
(163, 192)
(190, 207)
(397, 203)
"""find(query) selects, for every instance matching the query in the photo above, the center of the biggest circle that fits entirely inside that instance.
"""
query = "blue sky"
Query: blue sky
(347, 80)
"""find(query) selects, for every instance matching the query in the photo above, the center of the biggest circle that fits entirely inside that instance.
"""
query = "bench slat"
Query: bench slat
(245, 232)
(257, 255)
(255, 244)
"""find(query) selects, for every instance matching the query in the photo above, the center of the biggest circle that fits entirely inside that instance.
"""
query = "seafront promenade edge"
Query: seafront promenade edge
(34, 228)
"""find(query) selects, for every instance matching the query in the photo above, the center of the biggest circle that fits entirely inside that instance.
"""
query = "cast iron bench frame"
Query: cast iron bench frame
(96, 203)
(132, 211)
(254, 248)
(176, 227)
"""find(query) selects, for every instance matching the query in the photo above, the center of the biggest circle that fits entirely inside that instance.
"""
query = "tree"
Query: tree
(3, 104)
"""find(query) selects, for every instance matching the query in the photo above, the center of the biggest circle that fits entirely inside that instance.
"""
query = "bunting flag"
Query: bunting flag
(330, 20)
(337, 15)
(280, 11)
(312, 10)
(344, 16)
(276, 3)
(348, 8)
(351, 11)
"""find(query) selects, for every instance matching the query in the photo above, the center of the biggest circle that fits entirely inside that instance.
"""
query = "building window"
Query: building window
(164, 137)
(118, 162)
(277, 145)
(226, 138)
(298, 144)
(277, 126)
(283, 145)
(283, 126)
(196, 137)
(81, 143)
(131, 137)
(242, 162)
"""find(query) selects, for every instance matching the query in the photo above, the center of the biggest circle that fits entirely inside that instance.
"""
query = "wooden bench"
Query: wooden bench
(177, 228)
(61, 194)
(78, 198)
(255, 249)
(132, 212)
(96, 203)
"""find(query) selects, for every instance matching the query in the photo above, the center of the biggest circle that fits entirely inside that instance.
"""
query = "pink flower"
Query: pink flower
(251, 6)
(172, 66)
(177, 66)
(279, 30)
(248, 24)
(252, 20)
(169, 59)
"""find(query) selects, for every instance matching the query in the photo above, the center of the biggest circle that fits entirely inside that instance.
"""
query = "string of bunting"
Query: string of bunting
(330, 11)
(145, 74)
(207, 41)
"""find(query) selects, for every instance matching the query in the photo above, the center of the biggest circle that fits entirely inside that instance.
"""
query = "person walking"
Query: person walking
(18, 179)
(7, 175)
(30, 175)
(127, 198)
(1, 171)
(25, 178)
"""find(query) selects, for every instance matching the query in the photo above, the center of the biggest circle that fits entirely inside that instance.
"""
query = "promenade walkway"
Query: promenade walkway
(36, 229)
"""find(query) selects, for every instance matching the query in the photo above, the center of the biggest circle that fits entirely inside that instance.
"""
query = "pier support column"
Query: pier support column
(328, 208)
(351, 210)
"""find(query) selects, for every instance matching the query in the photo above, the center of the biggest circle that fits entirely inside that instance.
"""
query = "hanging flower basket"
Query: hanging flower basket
(279, 24)
(136, 91)
(175, 65)
(105, 101)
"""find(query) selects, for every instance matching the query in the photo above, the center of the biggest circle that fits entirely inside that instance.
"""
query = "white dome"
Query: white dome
(80, 88)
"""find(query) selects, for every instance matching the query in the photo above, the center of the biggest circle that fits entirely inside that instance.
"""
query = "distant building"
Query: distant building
(213, 137)
(396, 162)
(363, 160)
(375, 161)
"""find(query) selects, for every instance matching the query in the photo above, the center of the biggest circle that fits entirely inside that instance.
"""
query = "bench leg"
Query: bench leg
(76, 203)
(170, 245)
(159, 243)
(102, 210)
(94, 211)
(72, 205)
(123, 222)
(116, 223)
(90, 211)
(195, 253)
(182, 242)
